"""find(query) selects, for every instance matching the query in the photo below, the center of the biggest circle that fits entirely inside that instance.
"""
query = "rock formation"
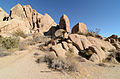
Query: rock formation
(3, 15)
(64, 23)
(60, 42)
(30, 18)
(80, 28)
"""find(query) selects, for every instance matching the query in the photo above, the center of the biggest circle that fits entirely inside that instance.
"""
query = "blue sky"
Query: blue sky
(102, 14)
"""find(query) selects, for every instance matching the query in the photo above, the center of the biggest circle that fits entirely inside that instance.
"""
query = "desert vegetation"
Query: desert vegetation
(19, 33)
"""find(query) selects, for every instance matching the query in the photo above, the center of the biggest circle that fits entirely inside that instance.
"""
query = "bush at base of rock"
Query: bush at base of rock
(9, 43)
(60, 64)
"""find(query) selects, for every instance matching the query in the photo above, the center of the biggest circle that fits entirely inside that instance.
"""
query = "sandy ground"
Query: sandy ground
(23, 66)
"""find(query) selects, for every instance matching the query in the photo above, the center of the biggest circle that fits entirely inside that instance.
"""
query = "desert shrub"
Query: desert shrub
(19, 33)
(94, 33)
(9, 43)
(87, 53)
(68, 64)
(61, 64)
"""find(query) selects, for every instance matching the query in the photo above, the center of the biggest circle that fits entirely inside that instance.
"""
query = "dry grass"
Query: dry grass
(19, 33)
(68, 64)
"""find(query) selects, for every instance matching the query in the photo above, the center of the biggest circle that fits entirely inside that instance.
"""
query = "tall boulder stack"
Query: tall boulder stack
(64, 23)
(80, 28)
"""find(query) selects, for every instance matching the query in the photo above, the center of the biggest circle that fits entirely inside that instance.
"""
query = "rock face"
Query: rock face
(80, 41)
(28, 17)
(3, 14)
(60, 52)
(100, 43)
(99, 52)
(114, 40)
(59, 33)
(79, 28)
(8, 27)
(64, 23)
(45, 23)
(98, 46)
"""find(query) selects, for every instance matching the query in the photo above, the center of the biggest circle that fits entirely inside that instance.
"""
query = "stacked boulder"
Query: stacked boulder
(81, 45)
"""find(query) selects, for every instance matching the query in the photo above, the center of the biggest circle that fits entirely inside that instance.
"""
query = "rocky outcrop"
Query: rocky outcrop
(57, 38)
(45, 23)
(59, 33)
(99, 52)
(64, 23)
(60, 52)
(100, 43)
(3, 15)
(80, 28)
(8, 27)
(28, 17)
(114, 40)
(80, 41)
(97, 46)
(70, 48)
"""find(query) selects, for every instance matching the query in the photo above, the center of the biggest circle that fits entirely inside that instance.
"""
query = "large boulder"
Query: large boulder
(59, 33)
(94, 58)
(99, 52)
(64, 23)
(60, 52)
(70, 48)
(100, 43)
(46, 22)
(80, 41)
(80, 28)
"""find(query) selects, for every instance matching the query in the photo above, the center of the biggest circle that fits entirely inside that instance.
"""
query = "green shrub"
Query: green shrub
(19, 33)
(9, 42)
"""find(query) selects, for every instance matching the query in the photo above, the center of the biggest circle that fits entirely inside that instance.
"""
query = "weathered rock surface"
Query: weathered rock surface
(80, 41)
(3, 14)
(97, 46)
(94, 58)
(100, 43)
(60, 52)
(64, 23)
(70, 48)
(46, 22)
(30, 18)
(59, 33)
(8, 27)
(99, 52)
(80, 28)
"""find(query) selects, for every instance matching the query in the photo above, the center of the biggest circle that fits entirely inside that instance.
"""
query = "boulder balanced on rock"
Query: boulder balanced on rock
(80, 28)
(64, 23)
